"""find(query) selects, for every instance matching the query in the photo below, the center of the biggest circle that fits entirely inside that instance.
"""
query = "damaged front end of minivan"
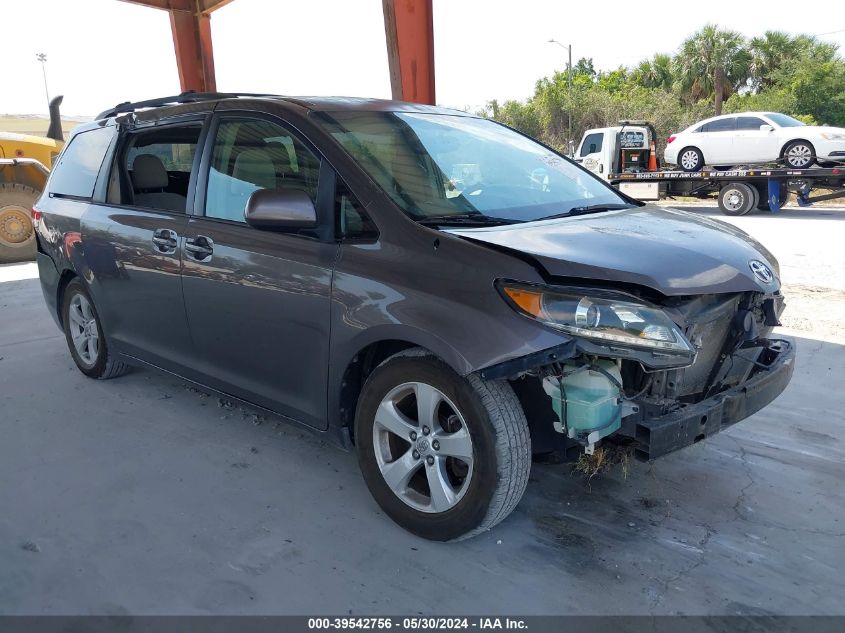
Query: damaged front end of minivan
(653, 374)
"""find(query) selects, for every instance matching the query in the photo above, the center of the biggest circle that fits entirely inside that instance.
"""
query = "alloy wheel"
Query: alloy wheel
(423, 447)
(83, 330)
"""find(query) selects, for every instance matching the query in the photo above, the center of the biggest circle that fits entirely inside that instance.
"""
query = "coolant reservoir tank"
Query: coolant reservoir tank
(589, 405)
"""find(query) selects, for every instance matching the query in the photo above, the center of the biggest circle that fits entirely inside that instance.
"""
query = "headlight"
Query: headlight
(599, 316)
(833, 136)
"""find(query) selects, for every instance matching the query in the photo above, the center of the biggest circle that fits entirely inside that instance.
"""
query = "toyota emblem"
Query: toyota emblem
(761, 271)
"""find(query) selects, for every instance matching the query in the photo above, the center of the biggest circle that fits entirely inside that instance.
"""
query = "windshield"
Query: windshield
(441, 166)
(783, 120)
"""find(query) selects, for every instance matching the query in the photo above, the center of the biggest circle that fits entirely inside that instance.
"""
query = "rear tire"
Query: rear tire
(17, 236)
(690, 159)
(84, 335)
(737, 198)
(481, 419)
(799, 155)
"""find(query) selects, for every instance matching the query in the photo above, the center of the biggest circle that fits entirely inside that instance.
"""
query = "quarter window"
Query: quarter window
(252, 155)
(76, 173)
(353, 223)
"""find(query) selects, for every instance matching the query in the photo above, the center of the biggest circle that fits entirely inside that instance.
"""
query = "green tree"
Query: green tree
(655, 72)
(712, 63)
(584, 66)
(768, 54)
(816, 83)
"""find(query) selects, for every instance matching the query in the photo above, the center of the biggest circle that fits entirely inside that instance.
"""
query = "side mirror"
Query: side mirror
(271, 209)
(766, 128)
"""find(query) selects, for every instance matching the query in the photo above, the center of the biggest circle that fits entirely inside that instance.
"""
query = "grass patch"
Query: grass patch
(604, 460)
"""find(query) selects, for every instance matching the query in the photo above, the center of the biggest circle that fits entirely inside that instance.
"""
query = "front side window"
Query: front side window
(749, 123)
(592, 144)
(437, 166)
(75, 175)
(783, 120)
(252, 155)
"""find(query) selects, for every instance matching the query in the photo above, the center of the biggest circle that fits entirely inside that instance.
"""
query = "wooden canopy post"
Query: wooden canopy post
(409, 30)
(190, 23)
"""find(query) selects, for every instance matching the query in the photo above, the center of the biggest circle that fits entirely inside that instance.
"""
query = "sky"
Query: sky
(102, 52)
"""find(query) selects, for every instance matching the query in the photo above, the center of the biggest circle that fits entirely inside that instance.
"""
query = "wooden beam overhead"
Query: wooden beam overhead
(198, 6)
(408, 26)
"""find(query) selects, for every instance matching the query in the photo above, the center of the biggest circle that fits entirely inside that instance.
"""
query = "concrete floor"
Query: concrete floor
(143, 495)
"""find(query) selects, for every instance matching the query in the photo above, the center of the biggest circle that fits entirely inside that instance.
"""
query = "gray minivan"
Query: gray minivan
(443, 293)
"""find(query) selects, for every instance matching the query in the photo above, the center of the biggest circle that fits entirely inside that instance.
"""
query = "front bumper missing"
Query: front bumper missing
(692, 423)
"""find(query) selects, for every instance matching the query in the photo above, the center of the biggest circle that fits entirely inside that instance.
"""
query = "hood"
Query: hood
(820, 129)
(667, 250)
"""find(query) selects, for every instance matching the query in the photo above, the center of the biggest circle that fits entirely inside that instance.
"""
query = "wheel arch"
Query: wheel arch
(796, 140)
(697, 149)
(65, 277)
(367, 354)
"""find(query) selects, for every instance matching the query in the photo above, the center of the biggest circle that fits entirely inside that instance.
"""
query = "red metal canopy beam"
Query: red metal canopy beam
(190, 23)
(409, 29)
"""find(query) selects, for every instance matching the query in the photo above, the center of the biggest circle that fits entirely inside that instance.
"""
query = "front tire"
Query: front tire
(799, 155)
(84, 335)
(690, 159)
(445, 456)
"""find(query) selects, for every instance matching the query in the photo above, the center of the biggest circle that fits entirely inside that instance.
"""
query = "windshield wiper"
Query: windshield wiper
(593, 208)
(473, 219)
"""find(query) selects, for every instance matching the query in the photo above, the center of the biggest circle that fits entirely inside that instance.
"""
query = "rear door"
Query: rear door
(258, 302)
(716, 141)
(133, 242)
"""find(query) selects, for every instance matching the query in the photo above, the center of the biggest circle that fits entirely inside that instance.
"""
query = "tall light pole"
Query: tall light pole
(569, 91)
(42, 57)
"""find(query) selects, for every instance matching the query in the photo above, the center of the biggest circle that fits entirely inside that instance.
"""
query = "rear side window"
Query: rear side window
(592, 144)
(721, 125)
(76, 173)
(152, 170)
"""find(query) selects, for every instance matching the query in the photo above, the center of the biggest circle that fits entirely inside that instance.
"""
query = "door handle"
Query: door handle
(165, 241)
(200, 248)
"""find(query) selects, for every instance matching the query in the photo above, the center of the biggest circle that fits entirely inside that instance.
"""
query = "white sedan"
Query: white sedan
(754, 137)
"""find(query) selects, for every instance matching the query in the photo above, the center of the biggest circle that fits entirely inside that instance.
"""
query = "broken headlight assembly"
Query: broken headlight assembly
(612, 320)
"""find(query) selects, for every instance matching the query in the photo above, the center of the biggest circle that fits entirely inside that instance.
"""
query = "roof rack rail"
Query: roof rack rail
(185, 97)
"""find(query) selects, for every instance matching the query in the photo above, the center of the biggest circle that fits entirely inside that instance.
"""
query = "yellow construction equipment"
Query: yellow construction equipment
(25, 163)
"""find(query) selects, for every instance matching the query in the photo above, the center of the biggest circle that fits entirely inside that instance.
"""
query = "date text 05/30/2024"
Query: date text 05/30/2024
(419, 623)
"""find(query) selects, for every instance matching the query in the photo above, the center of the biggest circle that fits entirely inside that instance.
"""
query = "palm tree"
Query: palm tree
(655, 72)
(712, 63)
(768, 55)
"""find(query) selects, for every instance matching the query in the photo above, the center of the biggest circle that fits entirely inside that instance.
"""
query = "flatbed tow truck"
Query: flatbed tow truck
(625, 156)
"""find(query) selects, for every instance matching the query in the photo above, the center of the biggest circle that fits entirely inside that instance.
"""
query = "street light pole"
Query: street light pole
(568, 47)
(42, 57)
